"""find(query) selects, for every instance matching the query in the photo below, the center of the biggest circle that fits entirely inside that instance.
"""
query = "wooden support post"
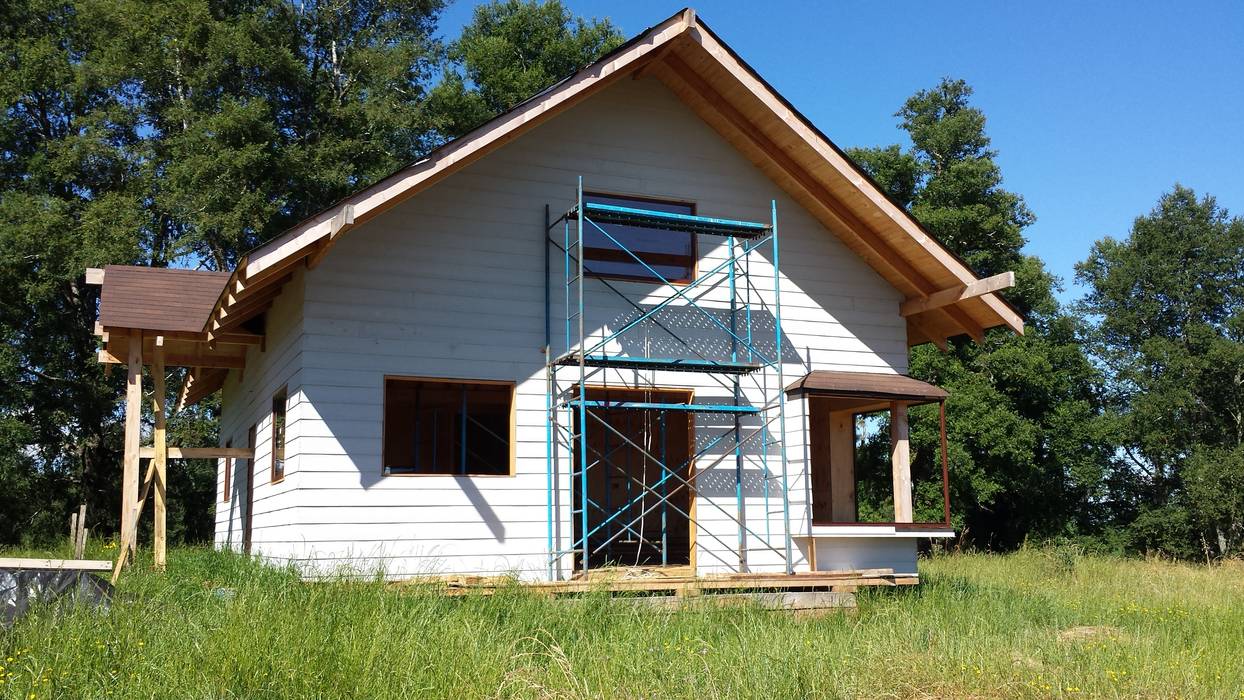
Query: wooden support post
(160, 443)
(138, 511)
(79, 542)
(900, 462)
(941, 417)
(133, 417)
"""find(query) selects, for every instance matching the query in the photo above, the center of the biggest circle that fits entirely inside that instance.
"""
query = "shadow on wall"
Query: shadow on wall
(685, 332)
(355, 420)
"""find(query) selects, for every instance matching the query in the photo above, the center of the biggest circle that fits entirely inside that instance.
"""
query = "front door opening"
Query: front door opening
(629, 524)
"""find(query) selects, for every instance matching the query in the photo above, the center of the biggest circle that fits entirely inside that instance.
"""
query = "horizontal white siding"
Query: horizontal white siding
(451, 284)
(246, 401)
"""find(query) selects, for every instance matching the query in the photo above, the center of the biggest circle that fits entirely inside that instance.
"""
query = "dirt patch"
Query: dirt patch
(1076, 634)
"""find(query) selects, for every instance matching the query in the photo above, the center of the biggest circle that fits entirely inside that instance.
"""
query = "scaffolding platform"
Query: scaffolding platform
(669, 221)
(668, 364)
(671, 407)
(580, 433)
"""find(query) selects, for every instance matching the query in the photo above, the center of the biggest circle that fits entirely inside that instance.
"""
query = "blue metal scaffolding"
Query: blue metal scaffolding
(584, 361)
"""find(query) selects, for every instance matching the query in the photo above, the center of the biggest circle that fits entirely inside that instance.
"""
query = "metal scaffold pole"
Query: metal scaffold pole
(781, 386)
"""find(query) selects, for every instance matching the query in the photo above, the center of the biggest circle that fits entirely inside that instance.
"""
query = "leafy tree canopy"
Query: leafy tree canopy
(185, 133)
(513, 49)
(1167, 305)
(1027, 446)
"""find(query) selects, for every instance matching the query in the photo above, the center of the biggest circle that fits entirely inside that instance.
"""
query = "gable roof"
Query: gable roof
(944, 297)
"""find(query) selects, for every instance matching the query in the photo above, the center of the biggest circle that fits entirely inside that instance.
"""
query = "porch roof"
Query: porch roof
(866, 385)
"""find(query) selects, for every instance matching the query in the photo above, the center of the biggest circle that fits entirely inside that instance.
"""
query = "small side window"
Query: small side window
(228, 480)
(278, 436)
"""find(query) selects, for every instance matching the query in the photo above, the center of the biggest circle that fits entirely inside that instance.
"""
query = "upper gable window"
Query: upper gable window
(672, 254)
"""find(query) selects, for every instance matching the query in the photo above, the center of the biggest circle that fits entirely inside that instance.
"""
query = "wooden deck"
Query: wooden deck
(677, 581)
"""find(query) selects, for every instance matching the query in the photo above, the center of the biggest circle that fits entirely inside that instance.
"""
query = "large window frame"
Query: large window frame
(594, 265)
(388, 462)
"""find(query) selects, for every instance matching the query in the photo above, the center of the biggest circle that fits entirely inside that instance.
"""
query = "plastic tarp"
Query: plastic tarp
(20, 589)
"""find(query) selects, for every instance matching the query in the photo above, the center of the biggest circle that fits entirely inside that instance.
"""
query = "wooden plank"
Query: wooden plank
(133, 418)
(776, 581)
(955, 294)
(224, 338)
(160, 447)
(202, 452)
(842, 464)
(53, 564)
(821, 457)
(95, 275)
(924, 333)
(900, 462)
(79, 546)
(129, 537)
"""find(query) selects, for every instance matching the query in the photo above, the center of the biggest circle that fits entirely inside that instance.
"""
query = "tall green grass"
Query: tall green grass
(220, 626)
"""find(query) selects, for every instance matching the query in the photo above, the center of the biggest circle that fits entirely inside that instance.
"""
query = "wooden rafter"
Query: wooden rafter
(692, 87)
(946, 297)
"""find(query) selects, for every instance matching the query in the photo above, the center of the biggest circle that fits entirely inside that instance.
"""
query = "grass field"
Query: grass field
(979, 626)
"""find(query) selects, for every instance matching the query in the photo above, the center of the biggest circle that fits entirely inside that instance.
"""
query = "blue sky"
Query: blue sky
(1095, 108)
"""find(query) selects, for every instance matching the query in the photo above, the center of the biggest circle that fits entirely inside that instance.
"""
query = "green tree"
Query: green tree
(185, 133)
(1168, 310)
(511, 50)
(1028, 444)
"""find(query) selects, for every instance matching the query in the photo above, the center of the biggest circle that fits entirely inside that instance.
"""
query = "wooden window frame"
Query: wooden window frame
(917, 525)
(228, 477)
(282, 393)
(513, 424)
(695, 240)
(248, 518)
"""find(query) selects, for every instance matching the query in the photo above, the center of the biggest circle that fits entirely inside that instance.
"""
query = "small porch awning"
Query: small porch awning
(865, 390)
(143, 306)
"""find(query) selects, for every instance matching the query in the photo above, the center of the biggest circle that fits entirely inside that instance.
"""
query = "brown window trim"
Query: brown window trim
(695, 242)
(283, 394)
(228, 485)
(452, 380)
(946, 521)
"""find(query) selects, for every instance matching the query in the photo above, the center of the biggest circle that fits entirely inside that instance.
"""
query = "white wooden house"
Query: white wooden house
(387, 366)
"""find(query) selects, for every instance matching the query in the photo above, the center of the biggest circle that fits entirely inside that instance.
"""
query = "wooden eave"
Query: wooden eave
(687, 57)
(172, 323)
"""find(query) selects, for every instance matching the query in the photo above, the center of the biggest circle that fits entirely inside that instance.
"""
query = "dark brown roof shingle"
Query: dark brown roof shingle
(872, 385)
(157, 298)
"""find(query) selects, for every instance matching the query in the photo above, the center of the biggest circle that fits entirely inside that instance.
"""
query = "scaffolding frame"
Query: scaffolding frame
(584, 358)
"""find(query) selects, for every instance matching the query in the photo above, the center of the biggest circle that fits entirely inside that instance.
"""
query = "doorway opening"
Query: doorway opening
(638, 480)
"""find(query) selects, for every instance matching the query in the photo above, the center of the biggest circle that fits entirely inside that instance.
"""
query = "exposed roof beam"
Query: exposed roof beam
(926, 334)
(765, 94)
(185, 360)
(681, 72)
(201, 452)
(682, 78)
(946, 297)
